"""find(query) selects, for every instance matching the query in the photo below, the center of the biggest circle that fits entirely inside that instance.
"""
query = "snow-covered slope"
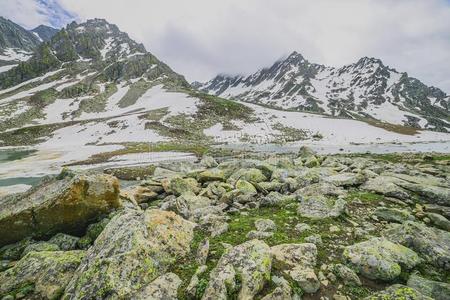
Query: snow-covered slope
(92, 89)
(365, 89)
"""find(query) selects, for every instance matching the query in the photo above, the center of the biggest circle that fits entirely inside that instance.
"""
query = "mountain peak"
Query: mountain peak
(295, 57)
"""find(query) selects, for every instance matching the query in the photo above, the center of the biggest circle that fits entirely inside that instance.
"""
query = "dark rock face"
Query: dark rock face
(66, 205)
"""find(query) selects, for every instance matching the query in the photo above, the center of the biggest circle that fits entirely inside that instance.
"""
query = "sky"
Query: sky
(201, 38)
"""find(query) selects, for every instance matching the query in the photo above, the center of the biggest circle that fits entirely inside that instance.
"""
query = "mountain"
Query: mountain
(44, 32)
(16, 44)
(92, 89)
(367, 90)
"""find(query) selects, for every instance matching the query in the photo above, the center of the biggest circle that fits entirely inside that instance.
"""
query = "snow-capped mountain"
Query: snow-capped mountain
(16, 44)
(91, 89)
(44, 33)
(366, 89)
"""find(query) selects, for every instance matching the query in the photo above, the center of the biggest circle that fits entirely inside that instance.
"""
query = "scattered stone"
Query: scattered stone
(314, 239)
(381, 259)
(302, 227)
(282, 291)
(202, 252)
(265, 225)
(348, 276)
(334, 229)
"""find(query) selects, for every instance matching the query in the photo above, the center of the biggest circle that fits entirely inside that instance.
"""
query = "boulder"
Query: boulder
(40, 246)
(431, 243)
(133, 250)
(76, 200)
(46, 273)
(392, 214)
(64, 241)
(283, 290)
(321, 207)
(276, 199)
(164, 287)
(380, 259)
(211, 175)
(434, 289)
(208, 162)
(385, 185)
(346, 179)
(252, 175)
(251, 261)
(439, 221)
(297, 261)
(348, 276)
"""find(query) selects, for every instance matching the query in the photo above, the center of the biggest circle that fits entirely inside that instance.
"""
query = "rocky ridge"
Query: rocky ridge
(367, 89)
(271, 227)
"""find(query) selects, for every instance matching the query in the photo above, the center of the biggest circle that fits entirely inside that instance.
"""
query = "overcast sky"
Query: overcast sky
(200, 38)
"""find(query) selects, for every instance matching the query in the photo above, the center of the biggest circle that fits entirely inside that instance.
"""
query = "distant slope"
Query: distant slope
(16, 44)
(366, 89)
(44, 32)
(91, 87)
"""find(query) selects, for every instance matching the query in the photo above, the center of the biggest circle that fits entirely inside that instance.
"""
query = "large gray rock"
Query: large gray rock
(251, 261)
(65, 205)
(392, 214)
(346, 179)
(164, 287)
(297, 261)
(387, 186)
(133, 250)
(433, 244)
(321, 207)
(381, 259)
(48, 272)
(434, 289)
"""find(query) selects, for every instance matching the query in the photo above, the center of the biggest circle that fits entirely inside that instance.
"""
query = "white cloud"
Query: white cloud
(200, 38)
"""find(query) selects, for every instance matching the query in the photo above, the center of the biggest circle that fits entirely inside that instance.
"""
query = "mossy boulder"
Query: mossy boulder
(47, 273)
(211, 175)
(245, 187)
(392, 214)
(133, 250)
(250, 262)
(380, 259)
(431, 243)
(321, 207)
(252, 175)
(76, 201)
(434, 289)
